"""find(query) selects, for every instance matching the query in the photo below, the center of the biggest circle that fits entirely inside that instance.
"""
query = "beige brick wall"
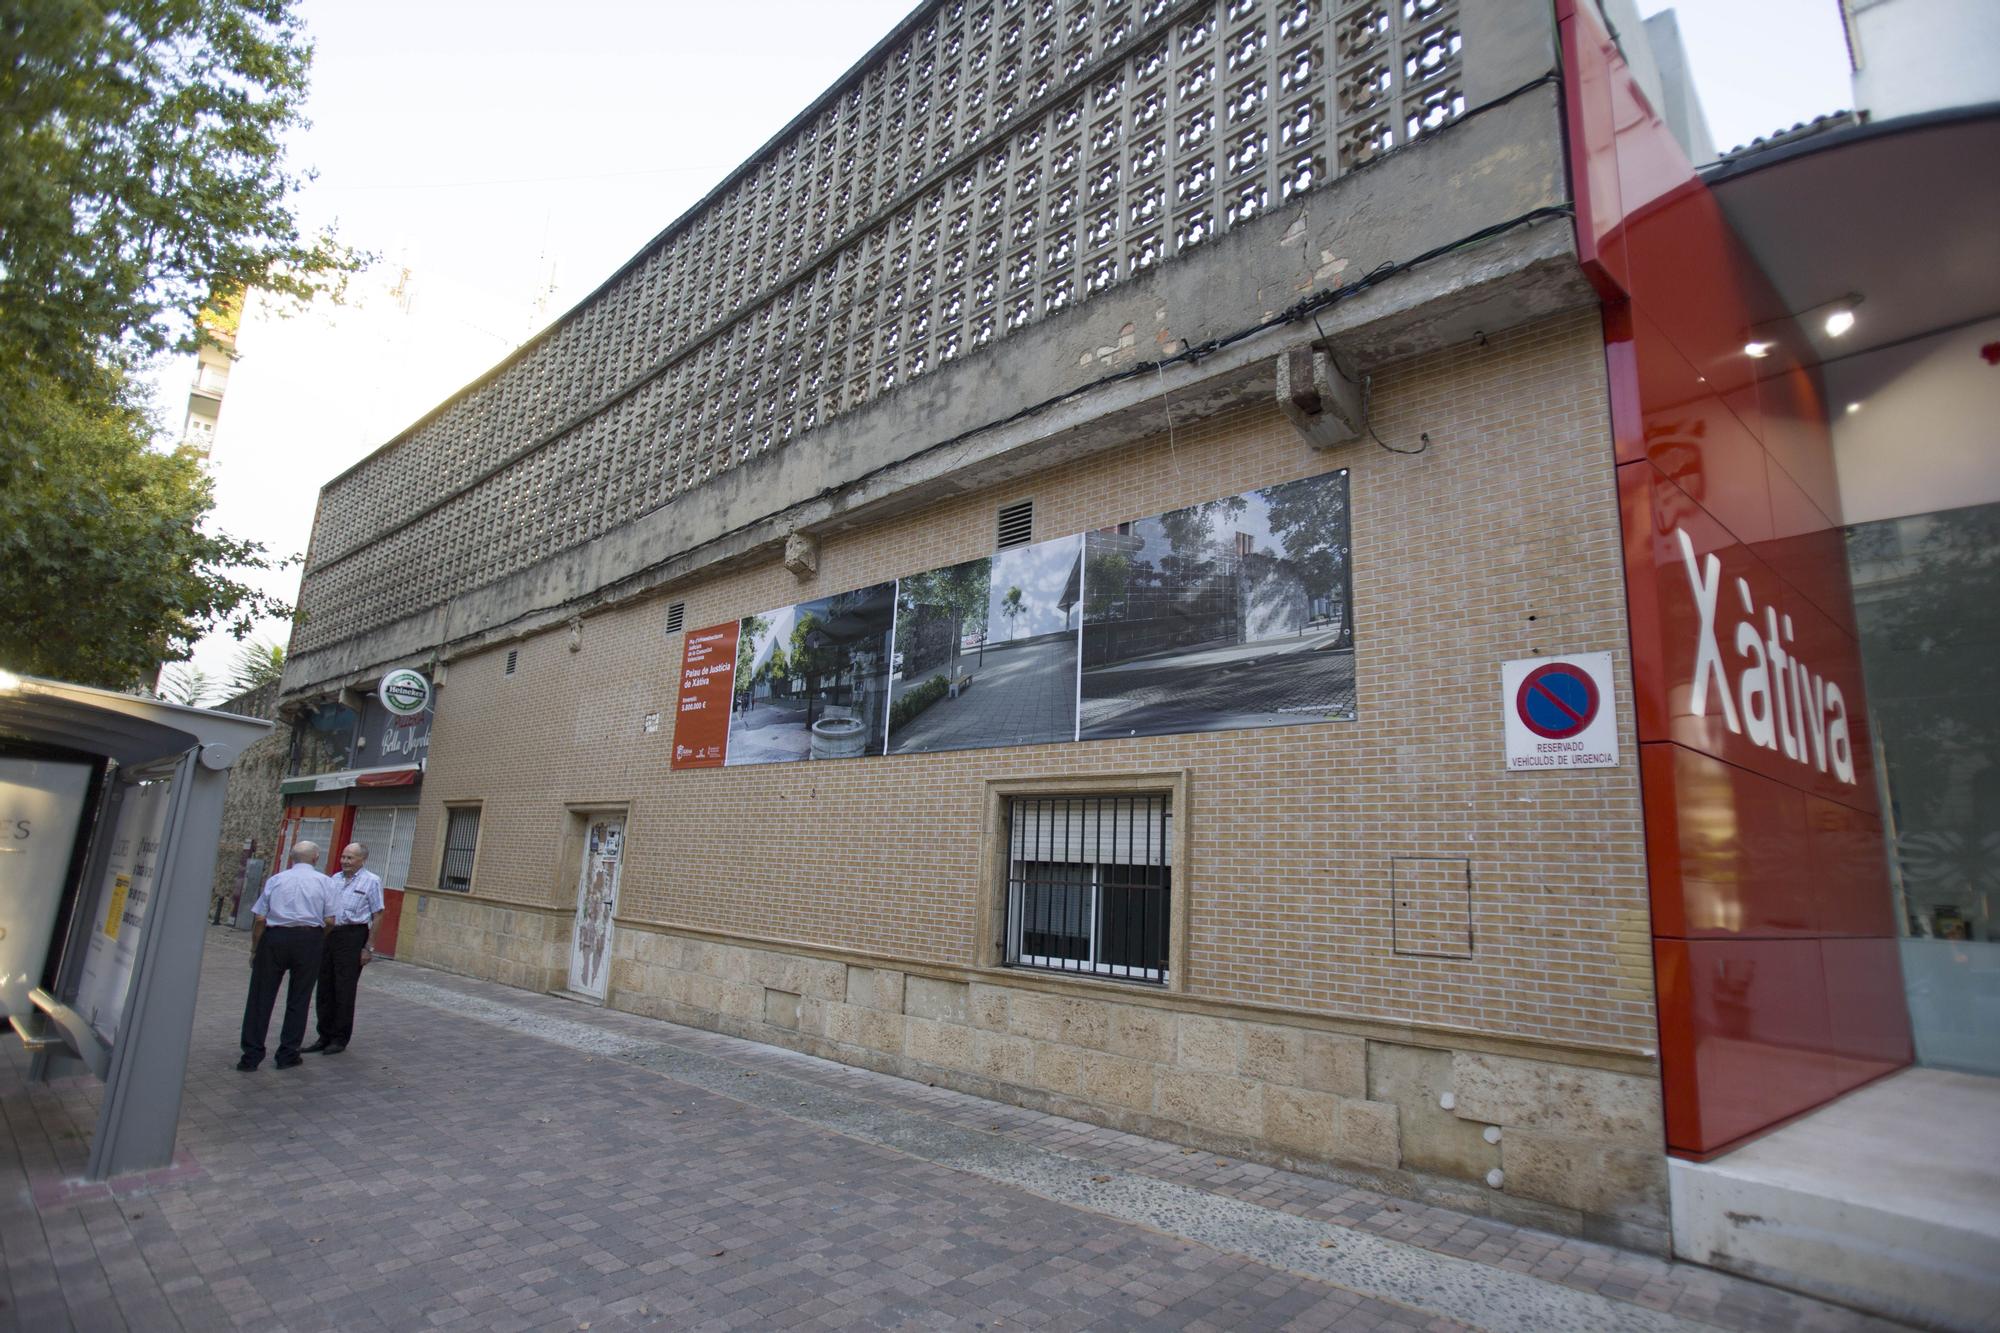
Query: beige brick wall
(1499, 541)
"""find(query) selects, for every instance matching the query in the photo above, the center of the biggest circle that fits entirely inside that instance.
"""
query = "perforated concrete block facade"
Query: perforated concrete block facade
(1498, 541)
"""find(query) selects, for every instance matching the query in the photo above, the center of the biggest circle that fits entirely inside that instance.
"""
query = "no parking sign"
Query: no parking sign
(1559, 712)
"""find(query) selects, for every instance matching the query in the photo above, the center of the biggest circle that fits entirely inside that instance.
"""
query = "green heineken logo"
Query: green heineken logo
(405, 692)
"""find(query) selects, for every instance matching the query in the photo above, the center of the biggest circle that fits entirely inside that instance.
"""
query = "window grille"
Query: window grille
(1017, 525)
(676, 616)
(461, 840)
(1089, 885)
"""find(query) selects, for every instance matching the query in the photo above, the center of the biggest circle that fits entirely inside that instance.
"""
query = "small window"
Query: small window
(676, 615)
(1090, 885)
(513, 660)
(388, 832)
(1017, 525)
(461, 842)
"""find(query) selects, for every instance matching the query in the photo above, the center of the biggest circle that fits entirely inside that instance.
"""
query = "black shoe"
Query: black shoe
(247, 1066)
(318, 1046)
(293, 1063)
(336, 1048)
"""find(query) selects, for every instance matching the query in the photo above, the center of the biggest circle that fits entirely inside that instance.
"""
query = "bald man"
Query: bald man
(287, 932)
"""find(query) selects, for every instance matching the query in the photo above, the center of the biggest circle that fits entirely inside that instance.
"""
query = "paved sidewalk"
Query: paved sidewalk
(487, 1159)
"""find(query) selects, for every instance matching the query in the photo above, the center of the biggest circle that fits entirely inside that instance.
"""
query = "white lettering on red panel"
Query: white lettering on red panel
(1777, 701)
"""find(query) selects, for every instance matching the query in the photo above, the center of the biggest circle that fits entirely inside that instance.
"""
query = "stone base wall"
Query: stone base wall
(1568, 1147)
(475, 938)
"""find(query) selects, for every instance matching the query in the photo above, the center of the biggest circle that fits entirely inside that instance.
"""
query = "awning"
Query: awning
(395, 775)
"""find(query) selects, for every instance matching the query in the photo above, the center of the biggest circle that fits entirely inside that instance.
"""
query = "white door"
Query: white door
(596, 904)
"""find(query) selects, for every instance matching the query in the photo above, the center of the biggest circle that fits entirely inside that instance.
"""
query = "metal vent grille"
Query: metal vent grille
(676, 614)
(513, 659)
(1017, 525)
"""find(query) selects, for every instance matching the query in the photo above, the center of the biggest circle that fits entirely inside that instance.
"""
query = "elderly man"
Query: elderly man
(357, 912)
(287, 934)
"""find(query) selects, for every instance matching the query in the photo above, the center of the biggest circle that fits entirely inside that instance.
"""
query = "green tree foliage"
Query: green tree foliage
(1012, 609)
(142, 177)
(103, 569)
(257, 664)
(142, 172)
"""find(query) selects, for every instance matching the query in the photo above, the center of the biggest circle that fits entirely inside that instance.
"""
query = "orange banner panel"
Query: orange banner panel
(708, 685)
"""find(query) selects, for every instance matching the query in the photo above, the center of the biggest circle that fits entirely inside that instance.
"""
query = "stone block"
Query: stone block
(940, 1001)
(1367, 1132)
(1300, 1121)
(1142, 1034)
(812, 1015)
(823, 979)
(999, 1056)
(935, 1043)
(1207, 1045)
(1119, 1082)
(875, 988)
(1335, 1063)
(781, 1009)
(1434, 1139)
(774, 971)
(1215, 1101)
(1559, 1099)
(1058, 1068)
(742, 999)
(989, 1006)
(1588, 1175)
(1273, 1054)
(1061, 1018)
(857, 1025)
(704, 992)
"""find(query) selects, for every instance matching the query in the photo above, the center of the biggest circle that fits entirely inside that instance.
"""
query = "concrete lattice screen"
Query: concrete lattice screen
(990, 164)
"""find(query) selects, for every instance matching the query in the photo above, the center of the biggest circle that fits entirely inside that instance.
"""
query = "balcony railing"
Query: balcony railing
(990, 164)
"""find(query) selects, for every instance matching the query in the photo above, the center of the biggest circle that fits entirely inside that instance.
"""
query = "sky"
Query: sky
(504, 158)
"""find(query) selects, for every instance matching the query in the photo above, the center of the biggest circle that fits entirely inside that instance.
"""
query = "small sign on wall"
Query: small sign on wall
(1559, 712)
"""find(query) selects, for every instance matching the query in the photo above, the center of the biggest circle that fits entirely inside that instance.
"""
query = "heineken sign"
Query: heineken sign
(404, 692)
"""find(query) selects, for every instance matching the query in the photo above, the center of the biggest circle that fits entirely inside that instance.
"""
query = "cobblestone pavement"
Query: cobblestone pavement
(485, 1158)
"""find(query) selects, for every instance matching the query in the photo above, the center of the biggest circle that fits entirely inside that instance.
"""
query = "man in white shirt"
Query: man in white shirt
(287, 934)
(357, 912)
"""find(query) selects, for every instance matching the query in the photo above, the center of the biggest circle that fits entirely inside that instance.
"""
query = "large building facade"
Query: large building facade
(1013, 590)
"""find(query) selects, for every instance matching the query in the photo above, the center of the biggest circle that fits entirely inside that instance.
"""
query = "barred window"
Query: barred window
(1089, 885)
(461, 842)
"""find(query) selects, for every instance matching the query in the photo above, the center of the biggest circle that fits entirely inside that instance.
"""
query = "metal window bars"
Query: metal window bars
(1089, 885)
(461, 840)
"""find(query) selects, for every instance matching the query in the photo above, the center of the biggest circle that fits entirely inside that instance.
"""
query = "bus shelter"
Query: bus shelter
(112, 810)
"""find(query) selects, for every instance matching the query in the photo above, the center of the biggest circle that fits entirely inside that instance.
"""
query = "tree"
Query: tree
(185, 684)
(1011, 608)
(103, 569)
(142, 179)
(257, 664)
(142, 174)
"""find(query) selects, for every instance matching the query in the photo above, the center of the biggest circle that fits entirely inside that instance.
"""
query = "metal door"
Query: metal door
(596, 904)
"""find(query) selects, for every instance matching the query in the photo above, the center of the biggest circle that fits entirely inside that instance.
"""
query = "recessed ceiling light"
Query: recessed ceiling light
(1839, 321)
(1756, 349)
(1852, 408)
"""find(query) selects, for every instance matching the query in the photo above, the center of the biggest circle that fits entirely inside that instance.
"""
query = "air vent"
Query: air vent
(676, 613)
(513, 659)
(1017, 524)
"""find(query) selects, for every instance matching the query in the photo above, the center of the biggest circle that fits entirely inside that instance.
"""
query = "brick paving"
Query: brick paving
(1021, 693)
(459, 1168)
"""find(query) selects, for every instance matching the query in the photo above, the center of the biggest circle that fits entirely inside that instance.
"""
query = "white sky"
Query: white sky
(512, 156)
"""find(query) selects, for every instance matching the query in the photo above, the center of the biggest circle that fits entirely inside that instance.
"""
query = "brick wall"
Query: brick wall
(1499, 541)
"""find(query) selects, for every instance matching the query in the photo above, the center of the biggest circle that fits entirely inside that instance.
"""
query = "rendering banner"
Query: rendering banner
(812, 680)
(41, 801)
(118, 913)
(1229, 614)
(986, 651)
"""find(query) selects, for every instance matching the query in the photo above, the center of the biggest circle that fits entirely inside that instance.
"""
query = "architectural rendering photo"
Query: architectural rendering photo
(811, 680)
(1233, 613)
(986, 651)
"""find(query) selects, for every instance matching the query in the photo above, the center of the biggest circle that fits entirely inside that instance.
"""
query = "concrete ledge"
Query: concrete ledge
(1888, 1200)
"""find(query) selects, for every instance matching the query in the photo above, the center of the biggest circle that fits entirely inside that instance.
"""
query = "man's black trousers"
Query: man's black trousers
(284, 953)
(339, 974)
